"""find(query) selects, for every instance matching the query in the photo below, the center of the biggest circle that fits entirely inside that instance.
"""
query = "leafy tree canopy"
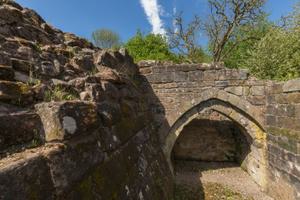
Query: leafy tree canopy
(150, 47)
(274, 50)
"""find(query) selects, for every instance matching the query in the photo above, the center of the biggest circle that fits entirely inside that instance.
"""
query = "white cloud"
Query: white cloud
(153, 11)
(175, 28)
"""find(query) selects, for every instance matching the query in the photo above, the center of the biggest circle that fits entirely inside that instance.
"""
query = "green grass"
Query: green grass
(59, 94)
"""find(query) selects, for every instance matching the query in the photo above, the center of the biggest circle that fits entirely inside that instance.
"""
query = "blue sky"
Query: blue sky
(125, 16)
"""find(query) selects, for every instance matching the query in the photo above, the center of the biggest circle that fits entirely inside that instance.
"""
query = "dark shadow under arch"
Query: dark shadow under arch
(256, 160)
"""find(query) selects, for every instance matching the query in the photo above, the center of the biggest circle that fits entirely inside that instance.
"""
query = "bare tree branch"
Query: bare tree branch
(225, 17)
(183, 38)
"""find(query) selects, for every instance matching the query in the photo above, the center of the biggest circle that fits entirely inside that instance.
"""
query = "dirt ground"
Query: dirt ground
(217, 181)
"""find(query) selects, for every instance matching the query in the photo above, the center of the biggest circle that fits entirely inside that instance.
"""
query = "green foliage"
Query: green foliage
(273, 52)
(106, 39)
(277, 54)
(59, 94)
(150, 47)
(199, 56)
(245, 37)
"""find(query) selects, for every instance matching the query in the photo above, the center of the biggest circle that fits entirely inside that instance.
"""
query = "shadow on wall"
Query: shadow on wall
(212, 141)
(205, 145)
(217, 133)
(158, 120)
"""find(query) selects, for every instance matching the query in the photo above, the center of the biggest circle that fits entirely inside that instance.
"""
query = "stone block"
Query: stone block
(146, 70)
(109, 113)
(297, 111)
(235, 90)
(158, 69)
(287, 144)
(165, 77)
(288, 123)
(224, 96)
(221, 83)
(284, 110)
(257, 100)
(281, 98)
(171, 68)
(22, 65)
(293, 97)
(274, 150)
(234, 100)
(195, 75)
(292, 86)
(257, 90)
(4, 59)
(243, 74)
(181, 76)
(71, 163)
(275, 88)
(271, 120)
(13, 91)
(26, 178)
(272, 138)
(65, 120)
(210, 75)
(186, 67)
(6, 73)
(19, 128)
(271, 99)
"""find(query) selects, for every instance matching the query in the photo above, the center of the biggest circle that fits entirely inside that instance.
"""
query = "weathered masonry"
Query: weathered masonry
(79, 122)
(267, 113)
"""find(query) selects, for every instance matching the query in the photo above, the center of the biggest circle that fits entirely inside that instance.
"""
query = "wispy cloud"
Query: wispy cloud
(153, 11)
(175, 28)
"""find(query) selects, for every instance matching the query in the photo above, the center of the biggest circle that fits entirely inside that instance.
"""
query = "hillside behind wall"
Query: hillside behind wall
(74, 123)
(275, 106)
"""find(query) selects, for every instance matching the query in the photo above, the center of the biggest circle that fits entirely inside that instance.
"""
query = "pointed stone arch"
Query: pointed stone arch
(239, 111)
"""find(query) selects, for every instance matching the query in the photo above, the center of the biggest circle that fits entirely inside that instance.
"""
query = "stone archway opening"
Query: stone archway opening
(219, 135)
(212, 138)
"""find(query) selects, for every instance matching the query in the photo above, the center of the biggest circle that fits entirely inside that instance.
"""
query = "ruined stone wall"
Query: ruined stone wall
(78, 122)
(283, 125)
(272, 106)
(74, 123)
(179, 87)
(186, 90)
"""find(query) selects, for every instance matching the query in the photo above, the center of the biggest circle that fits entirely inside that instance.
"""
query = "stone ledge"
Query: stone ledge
(65, 120)
(19, 128)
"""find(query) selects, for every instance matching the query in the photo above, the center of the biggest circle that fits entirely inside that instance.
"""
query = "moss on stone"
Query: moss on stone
(85, 188)
(32, 193)
(292, 135)
(23, 88)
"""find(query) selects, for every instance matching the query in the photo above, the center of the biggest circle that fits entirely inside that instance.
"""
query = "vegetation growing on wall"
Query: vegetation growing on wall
(105, 38)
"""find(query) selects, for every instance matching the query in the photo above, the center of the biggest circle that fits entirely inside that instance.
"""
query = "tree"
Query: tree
(224, 18)
(184, 39)
(150, 47)
(106, 39)
(240, 49)
(277, 54)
